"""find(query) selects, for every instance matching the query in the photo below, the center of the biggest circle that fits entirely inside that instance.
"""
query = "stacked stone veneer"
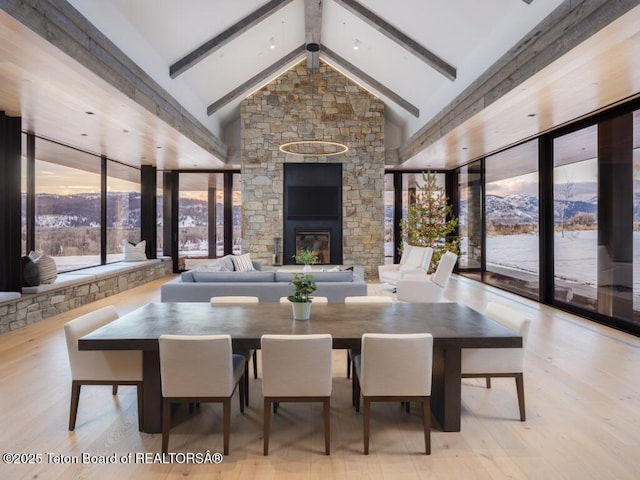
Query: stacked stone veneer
(35, 307)
(319, 104)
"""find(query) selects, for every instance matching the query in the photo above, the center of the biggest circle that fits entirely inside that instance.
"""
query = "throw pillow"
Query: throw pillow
(30, 275)
(47, 269)
(242, 263)
(134, 252)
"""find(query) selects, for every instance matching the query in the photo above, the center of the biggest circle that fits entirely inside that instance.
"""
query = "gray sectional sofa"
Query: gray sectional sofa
(200, 284)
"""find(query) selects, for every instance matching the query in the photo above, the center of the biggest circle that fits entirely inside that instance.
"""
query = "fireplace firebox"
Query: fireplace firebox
(317, 242)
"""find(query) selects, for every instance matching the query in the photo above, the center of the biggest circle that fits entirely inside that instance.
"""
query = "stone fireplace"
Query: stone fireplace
(321, 104)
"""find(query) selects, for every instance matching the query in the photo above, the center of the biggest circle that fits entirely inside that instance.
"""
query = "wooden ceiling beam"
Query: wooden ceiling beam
(256, 80)
(400, 38)
(312, 30)
(225, 37)
(351, 69)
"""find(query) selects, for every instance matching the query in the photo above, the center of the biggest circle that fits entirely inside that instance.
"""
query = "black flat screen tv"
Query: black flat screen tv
(319, 202)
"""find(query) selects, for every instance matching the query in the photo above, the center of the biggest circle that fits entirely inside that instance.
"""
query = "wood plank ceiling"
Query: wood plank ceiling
(424, 59)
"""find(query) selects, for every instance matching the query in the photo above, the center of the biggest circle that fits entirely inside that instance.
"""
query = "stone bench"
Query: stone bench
(73, 289)
(90, 274)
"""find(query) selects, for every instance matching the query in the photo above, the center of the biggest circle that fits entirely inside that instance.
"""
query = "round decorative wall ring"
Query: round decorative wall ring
(314, 148)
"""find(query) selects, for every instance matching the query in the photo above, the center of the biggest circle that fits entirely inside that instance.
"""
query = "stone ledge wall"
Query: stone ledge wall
(314, 105)
(33, 308)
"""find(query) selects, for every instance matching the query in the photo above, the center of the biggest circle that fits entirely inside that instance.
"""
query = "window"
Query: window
(389, 218)
(67, 204)
(470, 218)
(512, 212)
(123, 208)
(575, 190)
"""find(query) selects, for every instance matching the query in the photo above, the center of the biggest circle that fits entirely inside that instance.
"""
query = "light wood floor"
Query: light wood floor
(582, 394)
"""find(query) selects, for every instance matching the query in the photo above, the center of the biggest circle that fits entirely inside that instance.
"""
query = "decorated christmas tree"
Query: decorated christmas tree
(429, 221)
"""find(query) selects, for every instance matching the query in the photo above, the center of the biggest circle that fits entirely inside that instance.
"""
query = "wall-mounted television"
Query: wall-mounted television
(313, 201)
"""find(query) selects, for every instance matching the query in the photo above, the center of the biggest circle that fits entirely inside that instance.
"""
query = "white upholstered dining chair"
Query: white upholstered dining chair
(394, 368)
(500, 362)
(296, 368)
(199, 368)
(252, 354)
(99, 367)
(371, 299)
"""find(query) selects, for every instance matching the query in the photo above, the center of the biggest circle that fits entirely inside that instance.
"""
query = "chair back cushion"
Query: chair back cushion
(296, 365)
(396, 364)
(499, 360)
(368, 299)
(196, 365)
(511, 318)
(99, 365)
(234, 299)
(445, 267)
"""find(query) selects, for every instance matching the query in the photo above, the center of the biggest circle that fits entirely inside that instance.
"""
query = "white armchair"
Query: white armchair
(414, 261)
(429, 289)
(500, 362)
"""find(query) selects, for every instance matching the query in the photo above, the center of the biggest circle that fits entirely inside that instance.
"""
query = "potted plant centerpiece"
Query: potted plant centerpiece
(303, 287)
(308, 257)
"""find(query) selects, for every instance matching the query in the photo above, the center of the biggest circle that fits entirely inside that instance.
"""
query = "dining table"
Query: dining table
(454, 326)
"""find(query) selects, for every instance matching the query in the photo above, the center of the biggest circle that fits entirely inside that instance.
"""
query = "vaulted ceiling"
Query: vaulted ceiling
(423, 58)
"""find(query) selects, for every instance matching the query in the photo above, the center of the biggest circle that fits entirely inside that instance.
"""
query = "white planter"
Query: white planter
(306, 268)
(301, 310)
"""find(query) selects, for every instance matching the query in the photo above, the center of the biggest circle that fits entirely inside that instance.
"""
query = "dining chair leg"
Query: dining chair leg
(266, 426)
(246, 382)
(140, 396)
(326, 407)
(75, 399)
(166, 424)
(226, 424)
(241, 394)
(488, 380)
(356, 391)
(348, 363)
(520, 390)
(255, 364)
(366, 423)
(426, 415)
(114, 389)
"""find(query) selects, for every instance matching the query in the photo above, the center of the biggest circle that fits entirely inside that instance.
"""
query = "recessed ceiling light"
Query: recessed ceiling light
(84, 134)
(158, 147)
(356, 44)
(531, 115)
(125, 131)
(464, 148)
(272, 43)
(88, 112)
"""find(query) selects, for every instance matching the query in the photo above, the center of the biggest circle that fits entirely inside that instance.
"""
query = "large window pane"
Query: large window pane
(123, 208)
(67, 205)
(160, 214)
(470, 218)
(389, 218)
(636, 216)
(200, 198)
(575, 189)
(512, 213)
(237, 216)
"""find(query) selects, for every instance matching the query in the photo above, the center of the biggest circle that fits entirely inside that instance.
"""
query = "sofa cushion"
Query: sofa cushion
(343, 276)
(242, 263)
(230, 277)
(134, 252)
(47, 269)
(30, 275)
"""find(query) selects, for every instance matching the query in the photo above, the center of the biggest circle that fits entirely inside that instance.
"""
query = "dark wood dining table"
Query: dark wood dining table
(453, 326)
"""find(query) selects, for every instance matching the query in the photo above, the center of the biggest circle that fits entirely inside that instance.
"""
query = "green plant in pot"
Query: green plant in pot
(303, 287)
(308, 257)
